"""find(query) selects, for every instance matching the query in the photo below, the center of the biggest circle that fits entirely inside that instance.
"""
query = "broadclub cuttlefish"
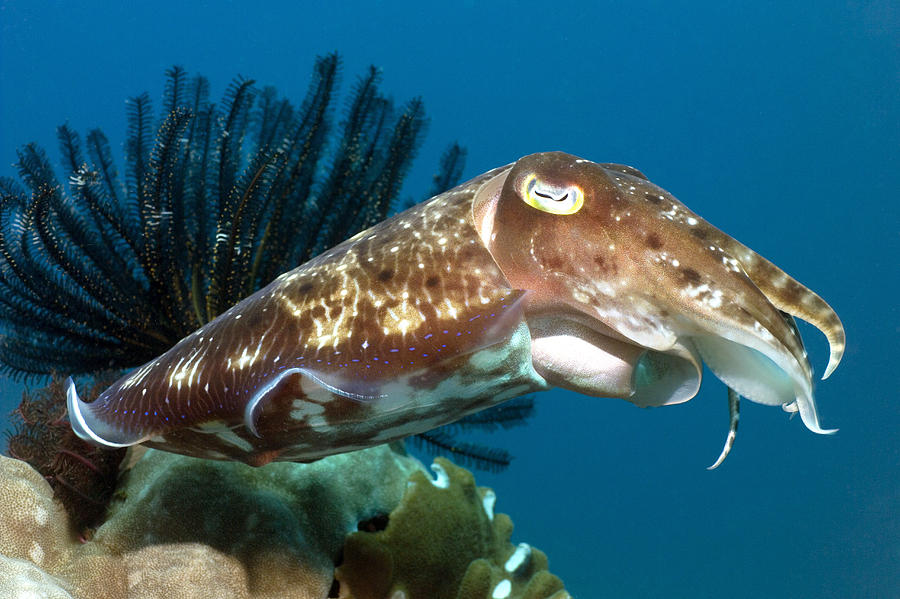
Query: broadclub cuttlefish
(552, 271)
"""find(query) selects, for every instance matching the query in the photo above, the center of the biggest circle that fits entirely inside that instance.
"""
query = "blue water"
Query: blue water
(777, 122)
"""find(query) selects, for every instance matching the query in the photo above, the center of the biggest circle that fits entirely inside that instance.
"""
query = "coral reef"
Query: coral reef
(188, 527)
(184, 527)
(444, 542)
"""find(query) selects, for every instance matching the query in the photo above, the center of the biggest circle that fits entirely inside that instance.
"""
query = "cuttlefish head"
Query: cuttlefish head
(630, 292)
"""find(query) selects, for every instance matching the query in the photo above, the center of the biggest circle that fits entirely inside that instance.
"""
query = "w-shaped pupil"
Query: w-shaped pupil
(550, 197)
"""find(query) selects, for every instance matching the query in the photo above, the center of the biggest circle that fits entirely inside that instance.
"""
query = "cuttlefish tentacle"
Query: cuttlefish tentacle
(734, 415)
(552, 271)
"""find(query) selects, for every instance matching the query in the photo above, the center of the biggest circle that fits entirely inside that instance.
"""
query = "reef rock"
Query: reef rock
(185, 527)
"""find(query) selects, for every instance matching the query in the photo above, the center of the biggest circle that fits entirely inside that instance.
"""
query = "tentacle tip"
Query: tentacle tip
(832, 366)
(824, 431)
(725, 451)
(717, 463)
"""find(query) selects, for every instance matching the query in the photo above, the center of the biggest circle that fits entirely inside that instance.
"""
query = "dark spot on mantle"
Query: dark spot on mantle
(554, 262)
(699, 233)
(432, 281)
(605, 266)
(654, 242)
(385, 275)
(691, 276)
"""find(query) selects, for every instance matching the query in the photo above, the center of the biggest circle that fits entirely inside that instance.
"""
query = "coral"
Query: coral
(195, 528)
(444, 542)
(216, 201)
(83, 476)
(184, 527)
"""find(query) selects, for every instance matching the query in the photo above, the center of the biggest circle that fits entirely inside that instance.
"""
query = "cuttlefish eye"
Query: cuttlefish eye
(551, 198)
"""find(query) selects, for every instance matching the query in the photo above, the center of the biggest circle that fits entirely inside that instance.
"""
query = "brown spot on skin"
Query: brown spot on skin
(554, 262)
(432, 281)
(317, 311)
(604, 266)
(385, 275)
(306, 287)
(468, 252)
(653, 241)
(792, 292)
(653, 198)
(691, 276)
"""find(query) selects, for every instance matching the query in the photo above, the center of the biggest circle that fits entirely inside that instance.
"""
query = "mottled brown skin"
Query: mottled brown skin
(551, 271)
(359, 316)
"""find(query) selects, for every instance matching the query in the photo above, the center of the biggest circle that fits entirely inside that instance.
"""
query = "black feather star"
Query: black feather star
(102, 272)
(217, 200)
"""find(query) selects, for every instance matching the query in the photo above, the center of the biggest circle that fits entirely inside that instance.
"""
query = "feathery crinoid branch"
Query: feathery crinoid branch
(98, 271)
(472, 455)
(443, 441)
(453, 161)
(450, 170)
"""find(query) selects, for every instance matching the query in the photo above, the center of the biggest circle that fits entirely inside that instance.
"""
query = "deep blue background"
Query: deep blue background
(778, 122)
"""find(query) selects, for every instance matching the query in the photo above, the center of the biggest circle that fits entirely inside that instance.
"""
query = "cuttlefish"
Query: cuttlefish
(552, 271)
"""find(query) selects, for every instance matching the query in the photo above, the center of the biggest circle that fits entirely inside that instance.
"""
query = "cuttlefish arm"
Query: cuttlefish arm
(553, 271)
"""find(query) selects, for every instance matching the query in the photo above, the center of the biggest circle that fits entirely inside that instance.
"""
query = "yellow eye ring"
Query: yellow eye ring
(552, 198)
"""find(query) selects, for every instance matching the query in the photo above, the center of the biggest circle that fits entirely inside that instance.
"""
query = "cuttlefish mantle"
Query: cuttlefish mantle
(552, 271)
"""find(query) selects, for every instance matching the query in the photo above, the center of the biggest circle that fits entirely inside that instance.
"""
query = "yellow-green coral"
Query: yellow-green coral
(444, 542)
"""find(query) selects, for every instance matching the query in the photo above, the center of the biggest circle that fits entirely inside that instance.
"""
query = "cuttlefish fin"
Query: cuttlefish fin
(734, 415)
